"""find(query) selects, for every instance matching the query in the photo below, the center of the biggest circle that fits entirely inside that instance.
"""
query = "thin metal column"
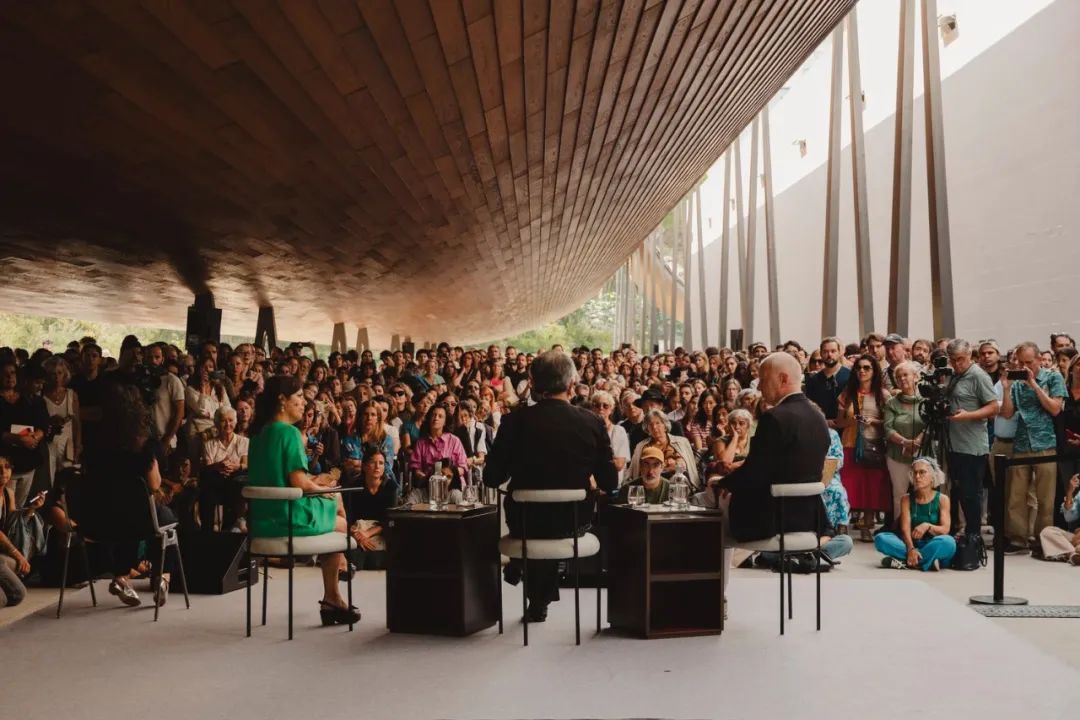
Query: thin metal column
(832, 195)
(864, 272)
(751, 233)
(900, 243)
(740, 233)
(654, 286)
(770, 232)
(688, 231)
(941, 280)
(725, 252)
(676, 231)
(701, 268)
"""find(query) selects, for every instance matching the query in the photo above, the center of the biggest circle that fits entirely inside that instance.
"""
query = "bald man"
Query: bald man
(789, 447)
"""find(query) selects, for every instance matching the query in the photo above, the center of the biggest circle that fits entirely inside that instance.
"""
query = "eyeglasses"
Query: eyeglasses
(399, 393)
(867, 368)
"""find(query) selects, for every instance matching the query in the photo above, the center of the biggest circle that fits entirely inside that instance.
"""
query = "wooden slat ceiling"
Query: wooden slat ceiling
(446, 169)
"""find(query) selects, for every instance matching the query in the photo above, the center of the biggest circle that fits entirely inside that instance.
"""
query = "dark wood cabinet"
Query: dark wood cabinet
(665, 572)
(442, 575)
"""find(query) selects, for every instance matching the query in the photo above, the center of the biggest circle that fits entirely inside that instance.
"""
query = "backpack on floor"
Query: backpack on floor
(970, 553)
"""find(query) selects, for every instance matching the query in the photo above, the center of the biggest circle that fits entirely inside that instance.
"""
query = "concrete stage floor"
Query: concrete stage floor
(895, 644)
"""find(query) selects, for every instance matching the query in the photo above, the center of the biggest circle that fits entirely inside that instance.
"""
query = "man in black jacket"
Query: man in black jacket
(789, 446)
(550, 445)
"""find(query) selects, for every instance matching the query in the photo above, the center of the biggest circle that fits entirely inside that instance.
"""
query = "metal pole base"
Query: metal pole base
(991, 600)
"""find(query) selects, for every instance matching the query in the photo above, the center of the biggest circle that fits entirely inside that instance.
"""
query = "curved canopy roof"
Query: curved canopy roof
(446, 169)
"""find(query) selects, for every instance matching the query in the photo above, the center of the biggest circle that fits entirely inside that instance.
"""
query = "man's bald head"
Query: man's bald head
(779, 375)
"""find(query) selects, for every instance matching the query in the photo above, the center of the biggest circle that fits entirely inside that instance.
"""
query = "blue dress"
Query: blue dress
(837, 507)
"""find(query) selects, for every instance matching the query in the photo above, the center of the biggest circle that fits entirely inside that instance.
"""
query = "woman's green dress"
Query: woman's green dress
(274, 453)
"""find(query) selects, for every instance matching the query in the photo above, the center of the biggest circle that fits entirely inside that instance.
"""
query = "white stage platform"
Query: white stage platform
(889, 648)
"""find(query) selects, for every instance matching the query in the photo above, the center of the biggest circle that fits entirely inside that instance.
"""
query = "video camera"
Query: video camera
(147, 378)
(934, 407)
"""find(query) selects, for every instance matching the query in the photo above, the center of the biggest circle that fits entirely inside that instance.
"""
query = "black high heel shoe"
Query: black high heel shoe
(334, 615)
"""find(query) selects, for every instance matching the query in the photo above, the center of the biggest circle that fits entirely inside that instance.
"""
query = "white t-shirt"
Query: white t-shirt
(215, 451)
(169, 392)
(201, 408)
(620, 448)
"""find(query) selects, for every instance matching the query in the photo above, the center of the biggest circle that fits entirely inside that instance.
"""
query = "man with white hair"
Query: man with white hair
(789, 446)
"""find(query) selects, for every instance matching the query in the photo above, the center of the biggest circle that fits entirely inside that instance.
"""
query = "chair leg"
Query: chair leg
(63, 575)
(499, 584)
(782, 592)
(183, 575)
(89, 572)
(293, 562)
(789, 594)
(817, 572)
(349, 575)
(266, 583)
(161, 570)
(577, 604)
(525, 594)
(247, 589)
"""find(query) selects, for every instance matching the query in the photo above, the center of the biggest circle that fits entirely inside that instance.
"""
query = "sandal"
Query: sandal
(334, 615)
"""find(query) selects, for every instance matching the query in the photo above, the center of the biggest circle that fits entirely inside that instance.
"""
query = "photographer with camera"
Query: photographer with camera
(1035, 395)
(971, 401)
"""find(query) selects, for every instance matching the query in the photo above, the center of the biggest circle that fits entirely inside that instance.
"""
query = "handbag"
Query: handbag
(869, 452)
(970, 553)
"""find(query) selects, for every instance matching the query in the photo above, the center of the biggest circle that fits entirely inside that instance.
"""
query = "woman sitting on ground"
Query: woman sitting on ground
(13, 564)
(277, 459)
(924, 541)
(368, 510)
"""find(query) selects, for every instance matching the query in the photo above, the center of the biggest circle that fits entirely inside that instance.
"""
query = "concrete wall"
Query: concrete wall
(1012, 134)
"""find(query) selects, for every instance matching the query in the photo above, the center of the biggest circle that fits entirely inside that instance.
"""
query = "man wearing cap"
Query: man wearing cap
(990, 359)
(657, 488)
(895, 353)
(651, 399)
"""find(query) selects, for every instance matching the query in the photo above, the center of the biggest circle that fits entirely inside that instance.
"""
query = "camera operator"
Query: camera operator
(1035, 395)
(971, 402)
(167, 408)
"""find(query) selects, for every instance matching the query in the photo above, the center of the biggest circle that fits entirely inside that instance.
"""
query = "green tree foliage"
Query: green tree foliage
(590, 325)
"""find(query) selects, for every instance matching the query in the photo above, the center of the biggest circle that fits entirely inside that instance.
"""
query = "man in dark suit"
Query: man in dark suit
(789, 446)
(549, 445)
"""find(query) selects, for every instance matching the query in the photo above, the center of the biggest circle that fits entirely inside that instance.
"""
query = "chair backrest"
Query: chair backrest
(804, 489)
(829, 470)
(548, 496)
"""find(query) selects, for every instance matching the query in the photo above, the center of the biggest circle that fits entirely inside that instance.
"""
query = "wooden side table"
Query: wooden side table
(666, 571)
(442, 573)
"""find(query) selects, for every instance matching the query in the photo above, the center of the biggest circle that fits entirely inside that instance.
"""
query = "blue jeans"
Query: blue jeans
(939, 547)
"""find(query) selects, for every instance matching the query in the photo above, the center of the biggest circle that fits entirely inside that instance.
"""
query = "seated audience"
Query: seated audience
(678, 455)
(224, 470)
(924, 541)
(14, 565)
(657, 488)
(1064, 544)
(367, 510)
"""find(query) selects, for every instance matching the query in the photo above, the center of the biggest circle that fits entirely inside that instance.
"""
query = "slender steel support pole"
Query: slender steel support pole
(654, 323)
(770, 232)
(676, 238)
(725, 252)
(740, 232)
(900, 243)
(751, 232)
(832, 194)
(941, 280)
(701, 269)
(643, 283)
(864, 271)
(688, 233)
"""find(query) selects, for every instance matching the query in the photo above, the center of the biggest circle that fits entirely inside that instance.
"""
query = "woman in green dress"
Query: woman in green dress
(276, 458)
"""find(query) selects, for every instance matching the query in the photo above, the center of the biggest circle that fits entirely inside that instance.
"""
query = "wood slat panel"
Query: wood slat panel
(439, 168)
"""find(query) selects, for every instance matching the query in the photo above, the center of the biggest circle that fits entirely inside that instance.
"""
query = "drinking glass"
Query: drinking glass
(635, 495)
(680, 495)
(439, 491)
(468, 495)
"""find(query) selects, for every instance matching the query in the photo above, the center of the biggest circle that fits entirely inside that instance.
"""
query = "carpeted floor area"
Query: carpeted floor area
(890, 648)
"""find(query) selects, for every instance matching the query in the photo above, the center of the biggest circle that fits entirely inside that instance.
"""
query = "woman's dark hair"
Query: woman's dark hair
(128, 427)
(425, 427)
(700, 417)
(266, 404)
(876, 384)
(369, 450)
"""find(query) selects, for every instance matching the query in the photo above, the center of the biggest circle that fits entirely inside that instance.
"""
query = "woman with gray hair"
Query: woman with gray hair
(224, 463)
(678, 454)
(924, 541)
(603, 404)
(903, 430)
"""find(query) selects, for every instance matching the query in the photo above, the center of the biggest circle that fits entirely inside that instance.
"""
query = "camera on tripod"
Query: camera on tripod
(934, 408)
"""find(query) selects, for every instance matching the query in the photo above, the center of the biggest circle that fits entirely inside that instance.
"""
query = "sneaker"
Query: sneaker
(892, 563)
(1074, 559)
(1015, 549)
(936, 565)
(127, 596)
(725, 609)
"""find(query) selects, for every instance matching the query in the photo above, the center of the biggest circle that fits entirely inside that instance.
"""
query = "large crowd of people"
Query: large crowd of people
(912, 426)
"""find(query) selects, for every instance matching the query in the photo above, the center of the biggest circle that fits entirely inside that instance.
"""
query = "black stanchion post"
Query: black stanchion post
(997, 498)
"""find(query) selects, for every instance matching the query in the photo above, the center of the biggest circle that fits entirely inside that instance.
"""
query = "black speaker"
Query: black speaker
(737, 339)
(214, 562)
(408, 347)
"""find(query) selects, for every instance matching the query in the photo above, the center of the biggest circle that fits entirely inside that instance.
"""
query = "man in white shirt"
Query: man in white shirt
(168, 408)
